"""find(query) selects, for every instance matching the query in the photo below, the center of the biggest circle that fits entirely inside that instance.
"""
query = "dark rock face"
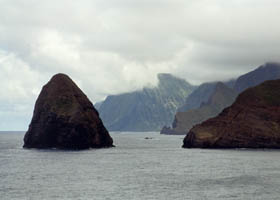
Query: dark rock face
(221, 97)
(253, 121)
(64, 118)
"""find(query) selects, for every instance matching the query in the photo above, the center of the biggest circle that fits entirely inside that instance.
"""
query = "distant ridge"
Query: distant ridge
(268, 71)
(201, 95)
(147, 109)
(12, 132)
(196, 108)
(251, 122)
(221, 97)
(198, 96)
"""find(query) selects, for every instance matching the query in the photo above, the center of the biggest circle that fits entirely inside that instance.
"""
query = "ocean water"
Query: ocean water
(137, 168)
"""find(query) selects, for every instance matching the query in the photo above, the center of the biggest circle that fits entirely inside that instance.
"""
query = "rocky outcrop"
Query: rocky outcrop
(221, 97)
(64, 118)
(253, 121)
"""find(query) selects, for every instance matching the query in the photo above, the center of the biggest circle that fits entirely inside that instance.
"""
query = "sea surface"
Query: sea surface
(137, 168)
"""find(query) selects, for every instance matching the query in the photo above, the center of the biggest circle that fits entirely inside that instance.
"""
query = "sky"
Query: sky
(115, 46)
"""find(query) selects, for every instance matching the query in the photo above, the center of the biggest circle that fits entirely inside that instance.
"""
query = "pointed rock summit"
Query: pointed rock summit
(64, 118)
(253, 121)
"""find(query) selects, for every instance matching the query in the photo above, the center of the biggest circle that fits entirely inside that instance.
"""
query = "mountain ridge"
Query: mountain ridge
(251, 122)
(267, 71)
(221, 97)
(147, 109)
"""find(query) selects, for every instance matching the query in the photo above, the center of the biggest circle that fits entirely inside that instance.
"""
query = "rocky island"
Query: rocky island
(64, 118)
(253, 121)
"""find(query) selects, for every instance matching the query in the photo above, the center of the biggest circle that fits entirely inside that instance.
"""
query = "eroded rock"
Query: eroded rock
(65, 118)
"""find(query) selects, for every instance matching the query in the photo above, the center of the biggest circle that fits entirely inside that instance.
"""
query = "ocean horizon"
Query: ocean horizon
(137, 168)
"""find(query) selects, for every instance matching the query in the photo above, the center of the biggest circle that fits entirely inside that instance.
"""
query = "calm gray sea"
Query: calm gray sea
(137, 168)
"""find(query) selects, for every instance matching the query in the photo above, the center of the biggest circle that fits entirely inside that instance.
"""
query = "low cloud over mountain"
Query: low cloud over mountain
(110, 47)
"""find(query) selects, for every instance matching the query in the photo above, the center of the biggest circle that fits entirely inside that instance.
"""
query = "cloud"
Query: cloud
(19, 87)
(109, 47)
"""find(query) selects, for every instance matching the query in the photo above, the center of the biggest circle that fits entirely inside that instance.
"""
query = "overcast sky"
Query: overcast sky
(113, 46)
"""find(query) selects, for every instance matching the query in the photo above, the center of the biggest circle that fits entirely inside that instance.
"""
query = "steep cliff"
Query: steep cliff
(253, 121)
(147, 109)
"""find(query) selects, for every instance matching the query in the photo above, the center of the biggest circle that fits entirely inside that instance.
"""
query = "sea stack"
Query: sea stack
(253, 121)
(64, 118)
